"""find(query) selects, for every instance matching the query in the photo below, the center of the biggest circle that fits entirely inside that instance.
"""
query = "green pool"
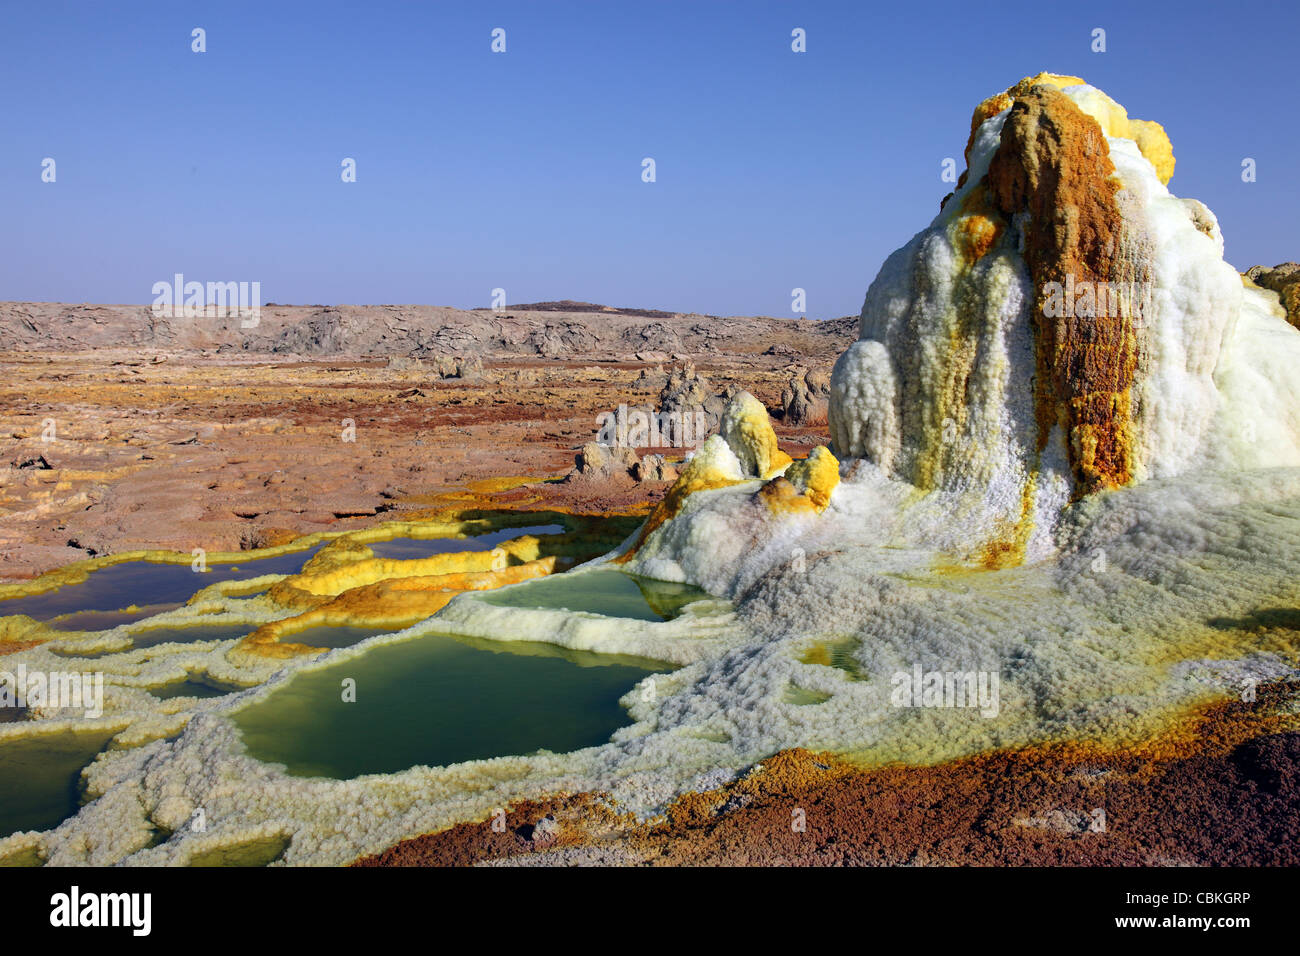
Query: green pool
(440, 700)
(603, 590)
(40, 778)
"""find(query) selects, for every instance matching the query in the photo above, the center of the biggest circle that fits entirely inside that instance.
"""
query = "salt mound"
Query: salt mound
(1064, 326)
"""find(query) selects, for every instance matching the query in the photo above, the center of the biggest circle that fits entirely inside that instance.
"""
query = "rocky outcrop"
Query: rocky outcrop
(444, 366)
(654, 468)
(688, 390)
(424, 331)
(600, 462)
(654, 337)
(1284, 279)
(556, 339)
(805, 399)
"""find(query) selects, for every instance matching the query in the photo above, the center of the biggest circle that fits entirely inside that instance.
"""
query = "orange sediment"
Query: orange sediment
(1054, 164)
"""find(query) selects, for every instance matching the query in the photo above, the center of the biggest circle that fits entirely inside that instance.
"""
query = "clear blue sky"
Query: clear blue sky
(523, 170)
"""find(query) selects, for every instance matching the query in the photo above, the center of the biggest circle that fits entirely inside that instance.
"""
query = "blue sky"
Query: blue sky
(522, 170)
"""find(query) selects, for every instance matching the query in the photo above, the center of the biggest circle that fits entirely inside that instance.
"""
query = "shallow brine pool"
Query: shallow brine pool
(40, 777)
(606, 591)
(147, 587)
(438, 700)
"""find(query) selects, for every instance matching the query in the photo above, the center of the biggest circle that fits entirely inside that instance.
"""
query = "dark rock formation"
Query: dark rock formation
(806, 398)
(1284, 279)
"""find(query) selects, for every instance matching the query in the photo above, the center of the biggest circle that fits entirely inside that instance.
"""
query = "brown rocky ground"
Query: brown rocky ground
(119, 431)
(1220, 789)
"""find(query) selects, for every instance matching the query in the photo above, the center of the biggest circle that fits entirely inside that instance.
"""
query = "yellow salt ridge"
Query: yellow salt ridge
(390, 603)
(748, 431)
(815, 477)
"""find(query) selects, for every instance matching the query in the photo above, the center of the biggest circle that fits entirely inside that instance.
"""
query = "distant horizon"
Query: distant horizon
(596, 308)
(776, 171)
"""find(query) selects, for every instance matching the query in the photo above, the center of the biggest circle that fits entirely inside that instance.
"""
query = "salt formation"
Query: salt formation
(1069, 436)
(1065, 454)
(1064, 326)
